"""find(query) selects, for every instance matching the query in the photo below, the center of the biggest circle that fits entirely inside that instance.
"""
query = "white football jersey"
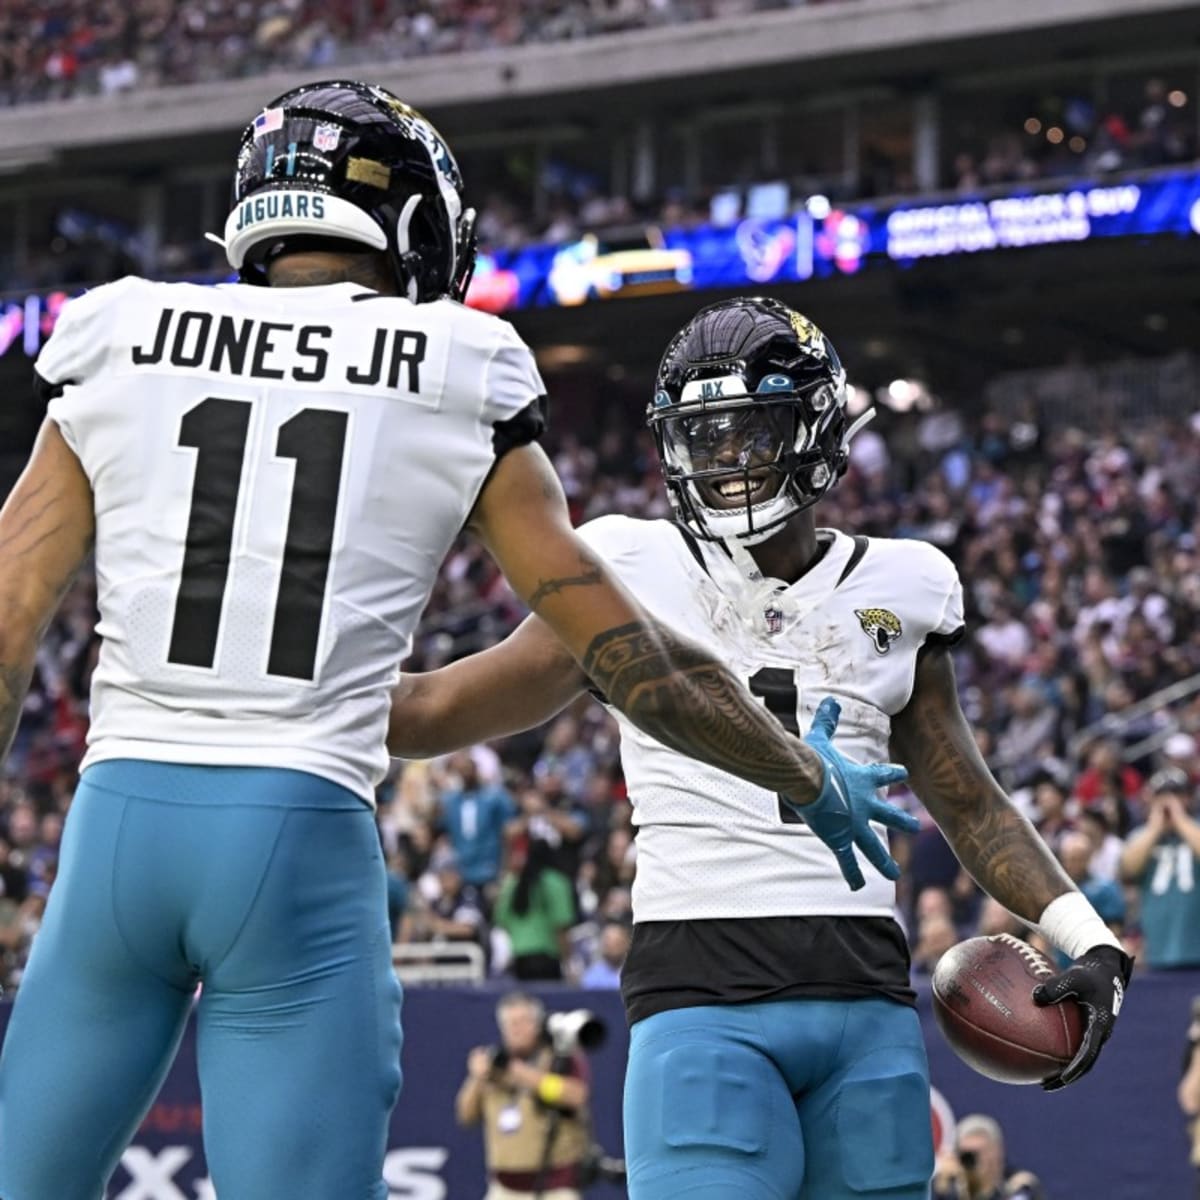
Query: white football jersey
(709, 844)
(277, 476)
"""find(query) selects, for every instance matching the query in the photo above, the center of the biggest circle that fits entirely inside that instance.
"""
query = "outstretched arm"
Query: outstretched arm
(46, 531)
(665, 685)
(1003, 852)
(517, 684)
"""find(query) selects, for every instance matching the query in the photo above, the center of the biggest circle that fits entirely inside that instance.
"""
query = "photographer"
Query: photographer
(532, 1102)
(1189, 1086)
(975, 1169)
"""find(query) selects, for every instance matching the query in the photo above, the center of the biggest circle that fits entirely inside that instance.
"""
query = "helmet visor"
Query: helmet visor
(729, 439)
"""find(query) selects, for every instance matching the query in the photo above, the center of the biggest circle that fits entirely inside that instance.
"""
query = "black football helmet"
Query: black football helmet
(750, 402)
(345, 162)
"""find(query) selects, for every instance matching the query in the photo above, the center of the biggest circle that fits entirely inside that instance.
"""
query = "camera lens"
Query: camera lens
(968, 1158)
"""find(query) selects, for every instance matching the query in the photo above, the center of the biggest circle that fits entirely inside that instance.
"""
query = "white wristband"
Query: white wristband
(1072, 925)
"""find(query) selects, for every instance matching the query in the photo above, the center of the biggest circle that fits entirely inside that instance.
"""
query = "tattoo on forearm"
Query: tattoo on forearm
(589, 575)
(999, 847)
(688, 701)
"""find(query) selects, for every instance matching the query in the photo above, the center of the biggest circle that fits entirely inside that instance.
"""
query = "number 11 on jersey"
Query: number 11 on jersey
(315, 438)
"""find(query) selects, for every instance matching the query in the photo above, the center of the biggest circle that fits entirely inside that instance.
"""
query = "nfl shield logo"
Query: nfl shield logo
(327, 137)
(774, 619)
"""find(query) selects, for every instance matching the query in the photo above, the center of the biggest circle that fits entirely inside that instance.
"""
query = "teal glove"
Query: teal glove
(841, 815)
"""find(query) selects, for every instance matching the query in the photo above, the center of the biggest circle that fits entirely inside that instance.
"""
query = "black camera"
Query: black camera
(597, 1166)
(969, 1159)
(500, 1058)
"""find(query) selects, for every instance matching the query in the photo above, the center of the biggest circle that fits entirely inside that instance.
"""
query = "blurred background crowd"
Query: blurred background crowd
(1080, 557)
(58, 49)
(546, 191)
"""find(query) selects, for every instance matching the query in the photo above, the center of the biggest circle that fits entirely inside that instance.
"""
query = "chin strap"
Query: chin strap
(759, 597)
(863, 419)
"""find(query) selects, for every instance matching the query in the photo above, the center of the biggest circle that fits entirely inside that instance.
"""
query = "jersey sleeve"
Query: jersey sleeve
(514, 396)
(951, 626)
(74, 354)
(609, 536)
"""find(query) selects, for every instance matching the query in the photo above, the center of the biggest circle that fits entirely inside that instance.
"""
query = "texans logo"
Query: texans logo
(764, 252)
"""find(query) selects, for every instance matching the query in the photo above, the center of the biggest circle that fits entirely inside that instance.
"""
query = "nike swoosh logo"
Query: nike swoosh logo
(837, 787)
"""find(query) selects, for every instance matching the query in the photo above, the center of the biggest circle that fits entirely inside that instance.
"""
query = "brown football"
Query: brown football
(983, 1002)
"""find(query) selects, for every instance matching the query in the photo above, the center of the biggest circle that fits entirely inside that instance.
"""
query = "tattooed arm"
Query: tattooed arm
(46, 530)
(997, 845)
(669, 688)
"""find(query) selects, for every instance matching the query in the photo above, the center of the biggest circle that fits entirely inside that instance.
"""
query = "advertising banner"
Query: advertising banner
(751, 253)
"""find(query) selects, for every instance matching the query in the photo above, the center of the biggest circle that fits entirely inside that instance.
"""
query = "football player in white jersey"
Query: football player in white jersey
(775, 1052)
(271, 476)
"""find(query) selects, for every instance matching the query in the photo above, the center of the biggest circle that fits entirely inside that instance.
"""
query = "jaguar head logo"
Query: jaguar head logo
(881, 625)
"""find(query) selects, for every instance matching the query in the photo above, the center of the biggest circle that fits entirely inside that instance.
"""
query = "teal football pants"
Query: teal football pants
(782, 1100)
(265, 886)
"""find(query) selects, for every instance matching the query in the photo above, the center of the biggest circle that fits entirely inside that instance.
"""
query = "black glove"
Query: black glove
(1097, 981)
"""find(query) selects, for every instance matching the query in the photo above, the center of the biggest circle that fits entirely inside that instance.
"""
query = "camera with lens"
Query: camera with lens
(969, 1159)
(575, 1030)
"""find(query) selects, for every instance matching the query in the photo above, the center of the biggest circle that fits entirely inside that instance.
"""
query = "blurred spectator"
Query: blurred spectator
(475, 816)
(1107, 778)
(935, 935)
(1075, 853)
(1029, 733)
(1162, 858)
(535, 908)
(1050, 811)
(994, 918)
(1106, 847)
(976, 1168)
(605, 972)
(455, 912)
(549, 816)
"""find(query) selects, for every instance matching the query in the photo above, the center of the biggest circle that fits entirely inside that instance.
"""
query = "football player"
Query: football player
(775, 1050)
(271, 476)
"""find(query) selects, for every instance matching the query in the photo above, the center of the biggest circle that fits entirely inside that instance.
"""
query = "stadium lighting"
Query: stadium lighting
(1033, 125)
(1177, 98)
(819, 207)
(1054, 135)
(1078, 144)
(858, 400)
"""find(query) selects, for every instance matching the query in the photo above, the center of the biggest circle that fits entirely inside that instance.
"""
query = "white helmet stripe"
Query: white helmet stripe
(286, 212)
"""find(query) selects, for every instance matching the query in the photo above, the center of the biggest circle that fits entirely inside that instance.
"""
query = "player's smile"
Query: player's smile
(754, 487)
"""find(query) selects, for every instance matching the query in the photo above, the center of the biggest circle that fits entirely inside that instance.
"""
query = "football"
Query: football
(983, 1003)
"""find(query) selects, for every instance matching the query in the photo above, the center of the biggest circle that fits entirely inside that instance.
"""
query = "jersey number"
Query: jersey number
(777, 689)
(217, 430)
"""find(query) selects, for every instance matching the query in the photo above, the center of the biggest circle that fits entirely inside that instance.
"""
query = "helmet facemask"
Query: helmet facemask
(739, 464)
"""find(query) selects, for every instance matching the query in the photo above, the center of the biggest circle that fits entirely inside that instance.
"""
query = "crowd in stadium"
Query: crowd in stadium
(71, 48)
(1080, 555)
